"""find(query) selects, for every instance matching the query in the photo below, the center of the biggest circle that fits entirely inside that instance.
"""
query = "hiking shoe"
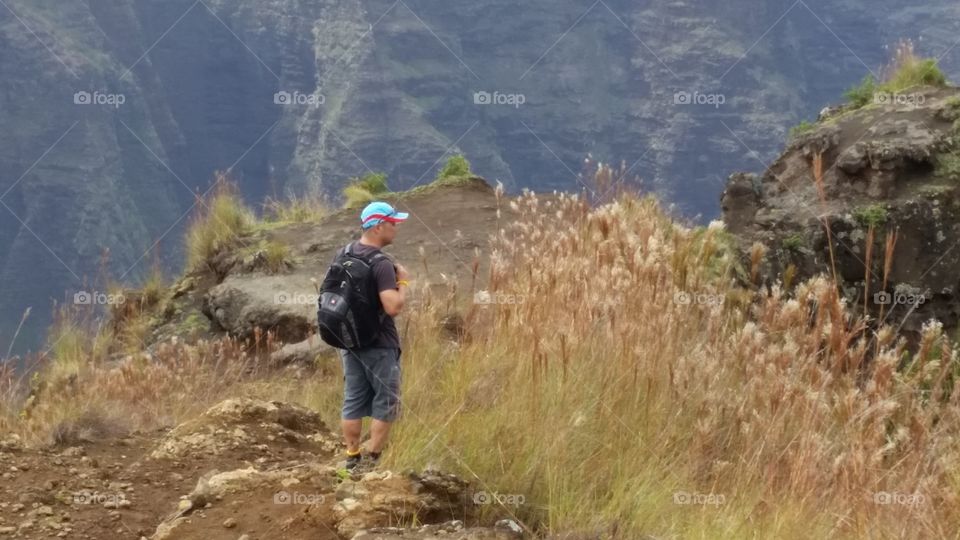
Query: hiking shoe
(366, 464)
(353, 461)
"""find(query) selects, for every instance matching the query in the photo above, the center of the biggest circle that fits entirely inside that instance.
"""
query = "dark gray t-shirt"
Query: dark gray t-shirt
(385, 274)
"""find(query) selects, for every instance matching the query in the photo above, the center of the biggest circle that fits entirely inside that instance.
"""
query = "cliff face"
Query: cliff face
(388, 86)
(890, 198)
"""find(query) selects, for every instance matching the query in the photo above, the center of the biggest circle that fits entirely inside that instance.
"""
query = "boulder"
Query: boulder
(242, 423)
(305, 352)
(285, 305)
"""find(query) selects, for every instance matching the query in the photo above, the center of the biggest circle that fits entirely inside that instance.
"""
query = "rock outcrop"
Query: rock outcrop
(307, 492)
(887, 169)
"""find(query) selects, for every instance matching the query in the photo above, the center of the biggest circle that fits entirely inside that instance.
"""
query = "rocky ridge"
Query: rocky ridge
(890, 168)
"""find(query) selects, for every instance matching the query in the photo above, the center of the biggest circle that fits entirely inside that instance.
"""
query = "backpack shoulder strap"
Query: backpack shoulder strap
(369, 259)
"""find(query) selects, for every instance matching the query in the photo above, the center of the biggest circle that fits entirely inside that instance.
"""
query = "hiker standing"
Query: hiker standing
(361, 294)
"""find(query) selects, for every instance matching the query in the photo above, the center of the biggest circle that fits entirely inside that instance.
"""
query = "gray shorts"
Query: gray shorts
(371, 383)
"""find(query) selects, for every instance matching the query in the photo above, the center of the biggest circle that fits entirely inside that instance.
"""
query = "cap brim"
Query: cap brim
(398, 217)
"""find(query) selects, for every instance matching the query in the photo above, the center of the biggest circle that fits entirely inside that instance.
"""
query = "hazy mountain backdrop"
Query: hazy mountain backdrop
(114, 113)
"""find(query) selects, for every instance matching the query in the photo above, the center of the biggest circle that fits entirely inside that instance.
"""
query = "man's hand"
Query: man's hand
(402, 273)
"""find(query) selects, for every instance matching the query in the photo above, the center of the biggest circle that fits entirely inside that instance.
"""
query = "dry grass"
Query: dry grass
(307, 209)
(277, 256)
(618, 375)
(218, 225)
(84, 396)
(908, 70)
(604, 391)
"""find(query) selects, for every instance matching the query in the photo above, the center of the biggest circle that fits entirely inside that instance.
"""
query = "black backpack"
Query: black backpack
(349, 312)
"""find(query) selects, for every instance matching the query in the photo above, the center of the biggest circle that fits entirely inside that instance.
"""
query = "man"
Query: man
(372, 374)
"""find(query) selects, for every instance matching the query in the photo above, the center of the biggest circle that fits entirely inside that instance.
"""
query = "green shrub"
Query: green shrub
(801, 129)
(862, 94)
(948, 165)
(871, 216)
(915, 72)
(906, 70)
(456, 166)
(360, 191)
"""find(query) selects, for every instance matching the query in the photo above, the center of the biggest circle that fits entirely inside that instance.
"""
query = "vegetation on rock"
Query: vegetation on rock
(906, 70)
(218, 224)
(365, 189)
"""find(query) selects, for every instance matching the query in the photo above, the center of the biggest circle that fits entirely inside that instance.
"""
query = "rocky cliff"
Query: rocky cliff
(889, 197)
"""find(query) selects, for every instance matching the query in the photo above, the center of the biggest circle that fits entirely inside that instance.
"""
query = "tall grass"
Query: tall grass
(80, 394)
(905, 70)
(306, 209)
(218, 224)
(618, 380)
(620, 377)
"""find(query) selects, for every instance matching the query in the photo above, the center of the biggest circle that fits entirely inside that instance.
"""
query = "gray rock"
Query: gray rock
(285, 305)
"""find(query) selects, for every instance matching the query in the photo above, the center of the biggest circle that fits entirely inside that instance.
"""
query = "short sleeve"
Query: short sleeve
(386, 275)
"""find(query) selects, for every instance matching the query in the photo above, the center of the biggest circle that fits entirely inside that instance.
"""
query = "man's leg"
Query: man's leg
(357, 400)
(379, 431)
(351, 434)
(385, 375)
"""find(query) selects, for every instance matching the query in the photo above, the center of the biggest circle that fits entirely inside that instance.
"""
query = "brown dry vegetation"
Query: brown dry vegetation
(619, 381)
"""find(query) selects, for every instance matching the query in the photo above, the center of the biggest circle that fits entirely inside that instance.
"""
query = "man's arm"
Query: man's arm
(392, 283)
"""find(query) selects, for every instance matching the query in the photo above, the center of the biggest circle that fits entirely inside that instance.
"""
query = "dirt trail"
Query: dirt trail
(246, 469)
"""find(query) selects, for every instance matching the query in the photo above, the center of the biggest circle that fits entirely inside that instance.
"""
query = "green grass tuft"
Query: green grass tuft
(863, 93)
(906, 70)
(366, 189)
(801, 129)
(794, 242)
(874, 215)
(219, 224)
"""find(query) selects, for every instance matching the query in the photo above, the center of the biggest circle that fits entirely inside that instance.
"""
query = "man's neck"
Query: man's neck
(370, 242)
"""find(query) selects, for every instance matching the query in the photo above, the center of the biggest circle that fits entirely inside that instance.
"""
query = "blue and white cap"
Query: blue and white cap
(379, 212)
